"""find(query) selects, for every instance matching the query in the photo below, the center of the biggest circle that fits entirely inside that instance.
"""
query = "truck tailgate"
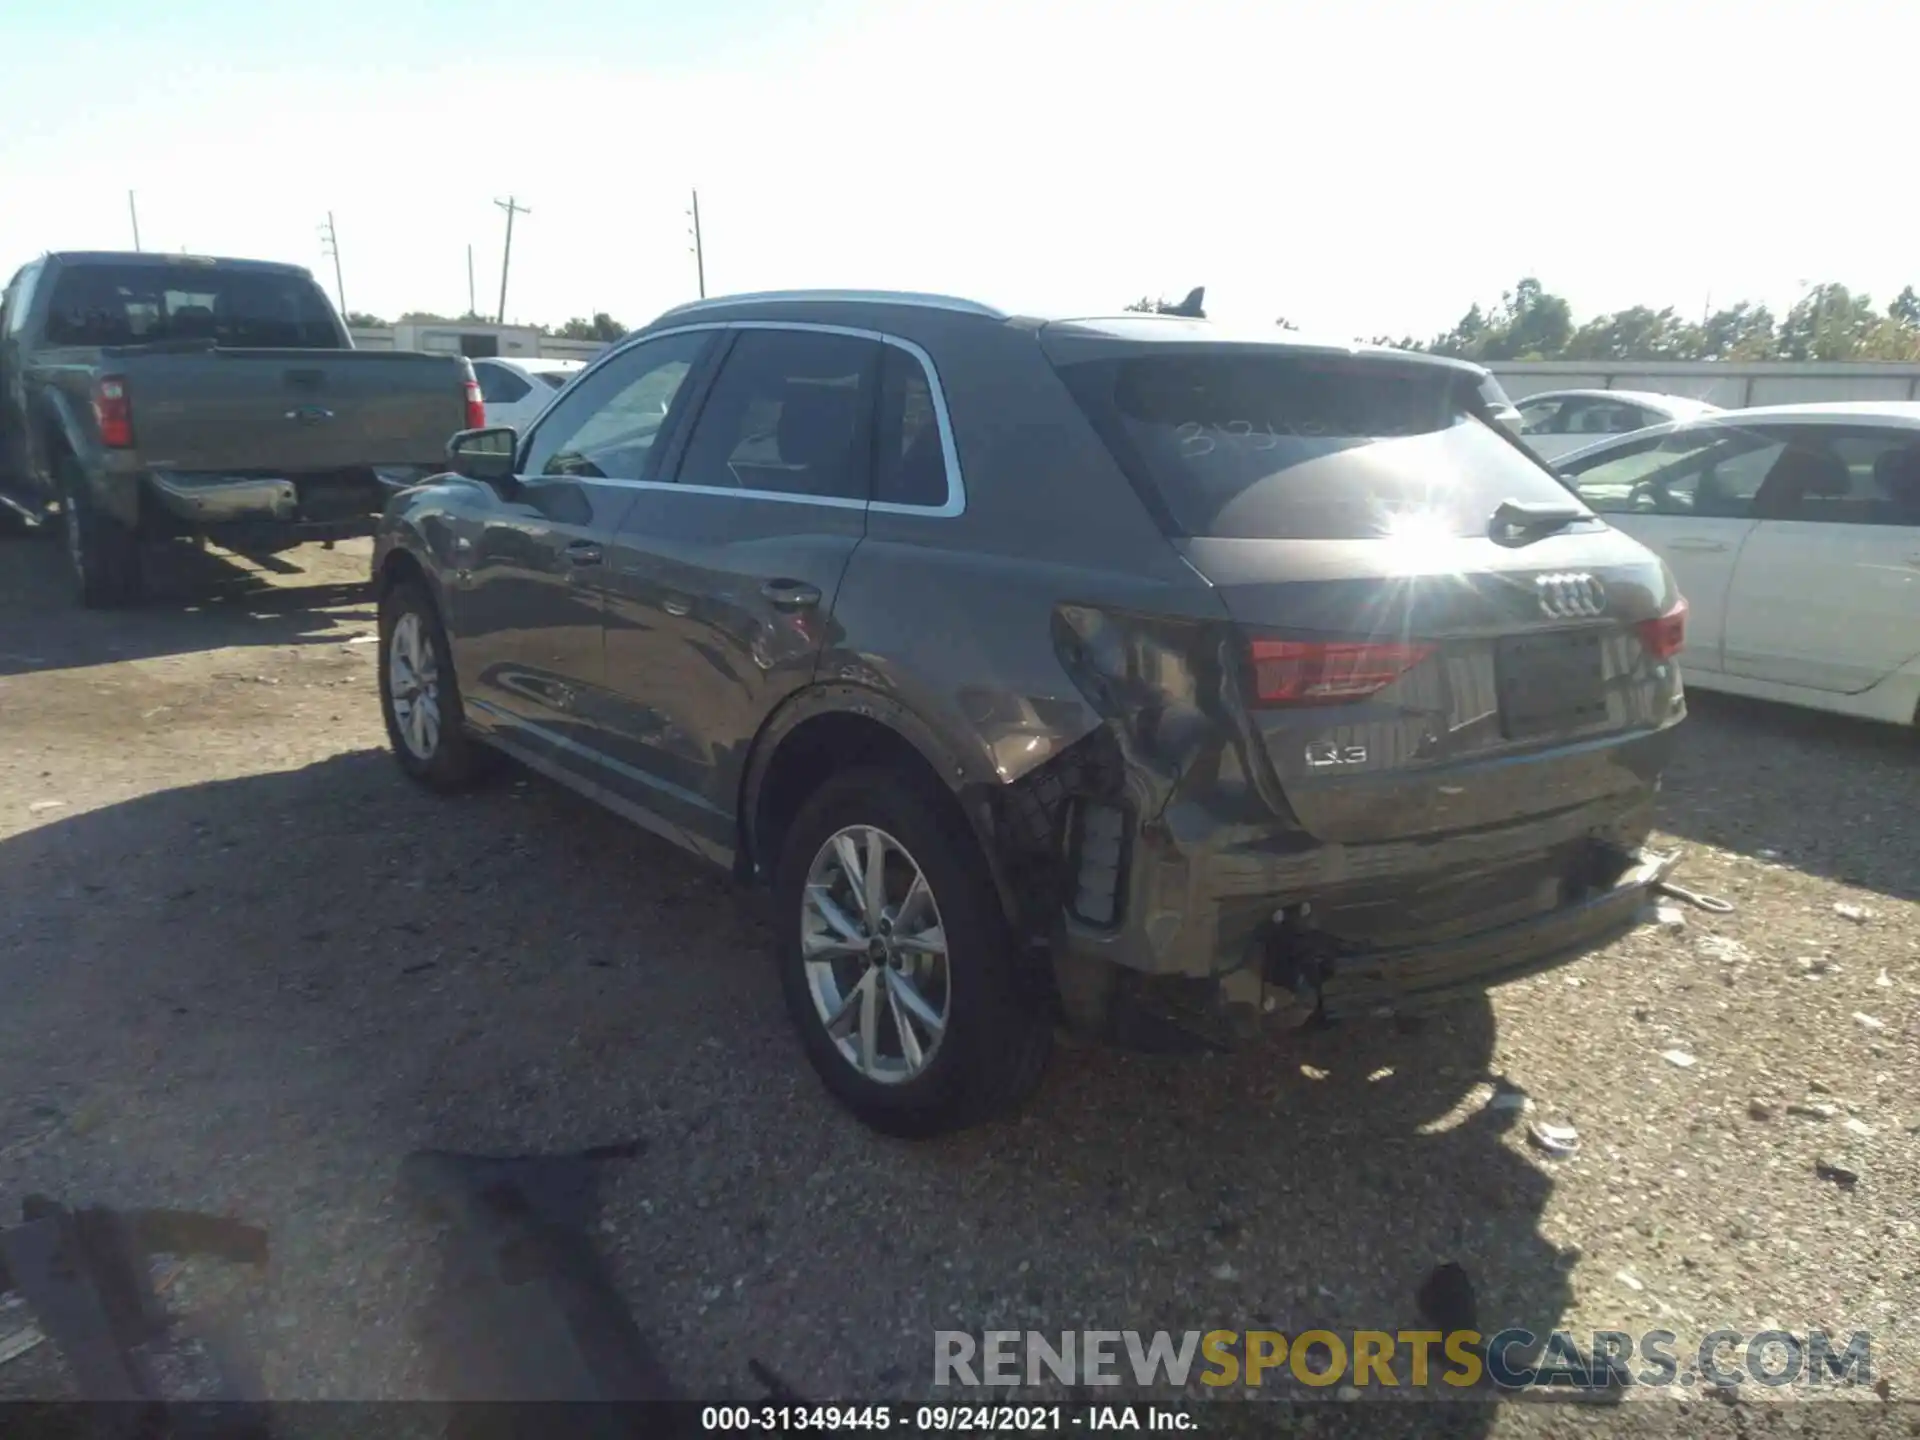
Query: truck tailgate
(288, 412)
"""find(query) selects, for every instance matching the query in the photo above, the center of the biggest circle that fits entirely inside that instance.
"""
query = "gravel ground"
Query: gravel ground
(247, 967)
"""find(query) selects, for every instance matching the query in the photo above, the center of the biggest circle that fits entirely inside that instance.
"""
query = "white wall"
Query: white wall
(1728, 384)
(514, 340)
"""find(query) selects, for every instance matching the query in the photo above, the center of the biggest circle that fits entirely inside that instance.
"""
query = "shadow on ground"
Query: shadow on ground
(1746, 771)
(257, 995)
(197, 600)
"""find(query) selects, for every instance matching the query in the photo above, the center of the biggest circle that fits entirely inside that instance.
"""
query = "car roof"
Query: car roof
(1896, 414)
(534, 364)
(1131, 327)
(159, 258)
(1677, 404)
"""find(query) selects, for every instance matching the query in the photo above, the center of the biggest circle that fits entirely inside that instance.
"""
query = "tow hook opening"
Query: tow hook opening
(1296, 964)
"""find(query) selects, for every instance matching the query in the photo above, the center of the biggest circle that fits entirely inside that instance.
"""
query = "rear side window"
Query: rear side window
(499, 385)
(554, 378)
(910, 467)
(1290, 447)
(791, 413)
(139, 304)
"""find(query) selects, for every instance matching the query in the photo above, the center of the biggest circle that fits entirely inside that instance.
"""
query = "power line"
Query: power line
(330, 245)
(513, 208)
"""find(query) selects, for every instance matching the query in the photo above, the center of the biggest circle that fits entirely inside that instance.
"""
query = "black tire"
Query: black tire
(454, 760)
(102, 553)
(998, 1033)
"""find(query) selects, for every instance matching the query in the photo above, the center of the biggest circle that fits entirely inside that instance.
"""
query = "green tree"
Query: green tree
(360, 320)
(1530, 324)
(1829, 323)
(601, 327)
(1286, 324)
(1905, 309)
(1739, 332)
(1634, 334)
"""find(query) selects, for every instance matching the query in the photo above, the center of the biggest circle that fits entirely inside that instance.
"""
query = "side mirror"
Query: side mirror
(486, 455)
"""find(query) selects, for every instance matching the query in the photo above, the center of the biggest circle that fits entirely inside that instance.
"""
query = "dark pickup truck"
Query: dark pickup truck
(147, 397)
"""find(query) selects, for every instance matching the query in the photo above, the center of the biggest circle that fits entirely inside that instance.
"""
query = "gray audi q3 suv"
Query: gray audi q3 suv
(1124, 674)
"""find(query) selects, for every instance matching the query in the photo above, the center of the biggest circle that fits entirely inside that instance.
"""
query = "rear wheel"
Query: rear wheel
(420, 695)
(103, 554)
(896, 961)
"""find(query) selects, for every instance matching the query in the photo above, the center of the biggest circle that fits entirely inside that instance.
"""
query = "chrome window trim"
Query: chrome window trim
(956, 501)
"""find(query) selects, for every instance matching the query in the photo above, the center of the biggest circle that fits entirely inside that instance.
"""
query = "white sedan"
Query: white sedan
(517, 390)
(1794, 531)
(1558, 422)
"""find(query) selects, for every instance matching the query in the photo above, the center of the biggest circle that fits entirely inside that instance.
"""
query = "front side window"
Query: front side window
(1714, 472)
(790, 413)
(1542, 417)
(605, 427)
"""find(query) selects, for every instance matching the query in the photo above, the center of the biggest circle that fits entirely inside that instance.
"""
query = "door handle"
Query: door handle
(791, 594)
(1700, 545)
(584, 552)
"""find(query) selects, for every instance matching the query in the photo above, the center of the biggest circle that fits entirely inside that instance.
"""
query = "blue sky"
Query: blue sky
(1358, 167)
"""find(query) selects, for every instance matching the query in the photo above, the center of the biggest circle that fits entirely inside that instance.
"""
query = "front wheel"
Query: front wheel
(420, 695)
(896, 960)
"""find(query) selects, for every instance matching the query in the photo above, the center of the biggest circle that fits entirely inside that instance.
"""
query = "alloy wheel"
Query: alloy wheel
(413, 682)
(875, 954)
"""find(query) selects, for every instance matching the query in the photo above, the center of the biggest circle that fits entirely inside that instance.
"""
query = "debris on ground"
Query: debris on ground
(1868, 1022)
(1678, 1058)
(1859, 914)
(1859, 1127)
(1840, 1175)
(1557, 1140)
(1813, 1110)
(1759, 1110)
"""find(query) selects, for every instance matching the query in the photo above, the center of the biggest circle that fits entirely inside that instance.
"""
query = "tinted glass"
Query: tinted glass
(499, 385)
(1257, 446)
(20, 300)
(137, 304)
(556, 379)
(1542, 417)
(791, 412)
(910, 466)
(1713, 472)
(605, 427)
(1843, 477)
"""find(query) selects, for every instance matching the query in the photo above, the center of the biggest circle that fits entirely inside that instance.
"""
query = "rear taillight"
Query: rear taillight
(111, 412)
(476, 407)
(1305, 672)
(1665, 636)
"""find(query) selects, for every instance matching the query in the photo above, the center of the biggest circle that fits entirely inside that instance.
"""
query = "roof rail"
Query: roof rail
(854, 297)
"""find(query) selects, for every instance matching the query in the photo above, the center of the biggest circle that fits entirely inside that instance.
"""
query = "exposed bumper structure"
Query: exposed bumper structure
(219, 500)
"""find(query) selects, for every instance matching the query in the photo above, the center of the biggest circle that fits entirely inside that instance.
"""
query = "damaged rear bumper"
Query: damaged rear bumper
(1296, 975)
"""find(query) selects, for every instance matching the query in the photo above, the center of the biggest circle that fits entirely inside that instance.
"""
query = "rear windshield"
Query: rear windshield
(139, 304)
(555, 378)
(1289, 447)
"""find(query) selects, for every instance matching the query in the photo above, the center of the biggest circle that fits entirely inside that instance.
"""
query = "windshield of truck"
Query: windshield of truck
(1293, 447)
(141, 304)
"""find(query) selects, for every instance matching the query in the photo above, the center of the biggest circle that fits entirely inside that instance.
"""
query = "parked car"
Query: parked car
(514, 391)
(1794, 530)
(147, 396)
(1119, 672)
(1558, 422)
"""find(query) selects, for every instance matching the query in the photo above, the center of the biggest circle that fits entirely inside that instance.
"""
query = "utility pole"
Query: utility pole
(473, 305)
(330, 245)
(133, 213)
(512, 207)
(699, 253)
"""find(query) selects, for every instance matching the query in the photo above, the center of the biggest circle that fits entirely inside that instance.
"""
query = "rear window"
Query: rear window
(1288, 447)
(140, 304)
(555, 378)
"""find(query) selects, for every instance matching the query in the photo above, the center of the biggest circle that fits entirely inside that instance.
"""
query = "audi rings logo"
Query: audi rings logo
(1570, 597)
